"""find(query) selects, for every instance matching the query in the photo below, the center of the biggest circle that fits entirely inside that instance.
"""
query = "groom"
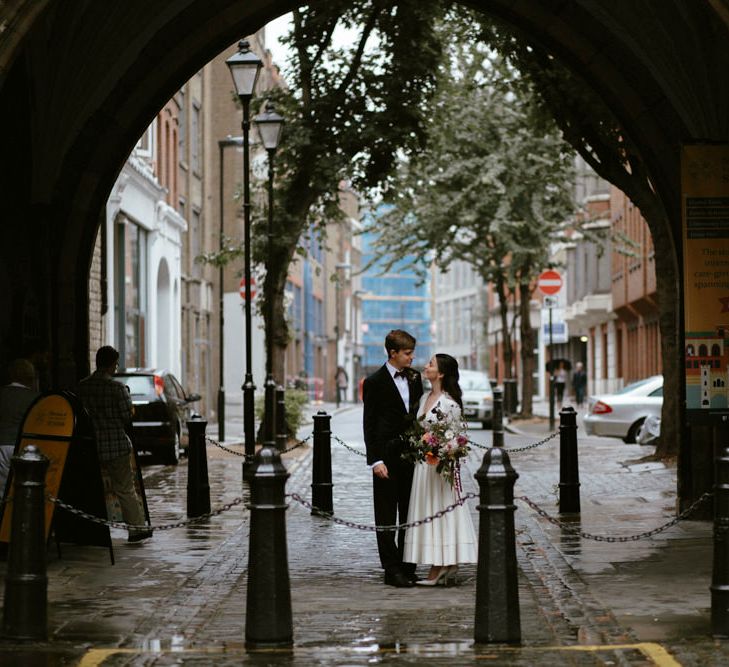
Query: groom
(391, 396)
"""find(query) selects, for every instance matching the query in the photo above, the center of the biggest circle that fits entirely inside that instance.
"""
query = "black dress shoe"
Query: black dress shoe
(413, 577)
(398, 579)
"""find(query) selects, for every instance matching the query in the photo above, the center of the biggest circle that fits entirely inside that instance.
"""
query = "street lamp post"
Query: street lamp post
(245, 66)
(337, 327)
(357, 298)
(222, 144)
(269, 125)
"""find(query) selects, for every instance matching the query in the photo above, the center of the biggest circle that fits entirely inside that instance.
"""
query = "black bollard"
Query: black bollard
(720, 571)
(282, 435)
(569, 473)
(497, 419)
(321, 481)
(268, 603)
(198, 485)
(25, 610)
(497, 592)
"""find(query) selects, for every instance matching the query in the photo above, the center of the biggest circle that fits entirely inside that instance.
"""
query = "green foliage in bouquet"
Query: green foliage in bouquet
(441, 443)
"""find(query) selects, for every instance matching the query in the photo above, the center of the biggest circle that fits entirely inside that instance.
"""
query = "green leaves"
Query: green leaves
(494, 183)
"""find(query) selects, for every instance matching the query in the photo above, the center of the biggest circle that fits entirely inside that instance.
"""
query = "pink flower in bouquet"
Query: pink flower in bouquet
(462, 439)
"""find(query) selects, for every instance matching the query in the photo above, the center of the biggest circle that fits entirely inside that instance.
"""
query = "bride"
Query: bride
(451, 539)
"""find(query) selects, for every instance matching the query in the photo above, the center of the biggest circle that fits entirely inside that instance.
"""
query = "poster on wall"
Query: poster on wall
(705, 218)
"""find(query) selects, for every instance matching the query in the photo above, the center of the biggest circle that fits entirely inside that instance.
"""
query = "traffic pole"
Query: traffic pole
(569, 472)
(497, 587)
(321, 482)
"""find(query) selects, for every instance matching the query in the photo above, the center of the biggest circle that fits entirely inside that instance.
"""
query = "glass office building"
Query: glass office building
(397, 299)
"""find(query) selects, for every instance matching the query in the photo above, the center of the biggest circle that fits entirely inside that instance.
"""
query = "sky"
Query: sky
(274, 30)
(280, 27)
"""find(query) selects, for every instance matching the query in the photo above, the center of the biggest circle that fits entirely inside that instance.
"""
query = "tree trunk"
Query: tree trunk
(527, 349)
(636, 185)
(505, 333)
(275, 284)
(672, 359)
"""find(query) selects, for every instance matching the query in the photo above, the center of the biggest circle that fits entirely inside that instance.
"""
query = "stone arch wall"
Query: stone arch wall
(79, 83)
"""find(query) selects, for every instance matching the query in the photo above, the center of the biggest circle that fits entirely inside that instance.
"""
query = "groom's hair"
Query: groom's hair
(398, 340)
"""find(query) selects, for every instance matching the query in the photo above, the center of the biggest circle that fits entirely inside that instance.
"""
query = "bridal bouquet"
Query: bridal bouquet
(440, 443)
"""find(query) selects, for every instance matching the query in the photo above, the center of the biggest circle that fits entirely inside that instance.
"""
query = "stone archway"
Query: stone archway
(78, 86)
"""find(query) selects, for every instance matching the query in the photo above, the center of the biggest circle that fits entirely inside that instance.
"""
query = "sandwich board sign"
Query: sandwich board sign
(52, 424)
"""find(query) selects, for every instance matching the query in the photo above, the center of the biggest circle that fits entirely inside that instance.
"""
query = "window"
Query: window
(146, 144)
(195, 137)
(195, 244)
(131, 293)
(182, 136)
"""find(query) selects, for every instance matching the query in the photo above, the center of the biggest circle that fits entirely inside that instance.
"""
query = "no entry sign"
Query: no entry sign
(549, 282)
(242, 289)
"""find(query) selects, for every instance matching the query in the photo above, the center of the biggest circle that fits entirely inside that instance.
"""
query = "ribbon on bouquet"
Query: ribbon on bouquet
(457, 480)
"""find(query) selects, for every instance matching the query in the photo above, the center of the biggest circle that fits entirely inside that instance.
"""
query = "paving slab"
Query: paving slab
(180, 597)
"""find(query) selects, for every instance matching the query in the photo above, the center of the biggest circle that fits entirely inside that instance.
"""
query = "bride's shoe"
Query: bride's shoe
(442, 574)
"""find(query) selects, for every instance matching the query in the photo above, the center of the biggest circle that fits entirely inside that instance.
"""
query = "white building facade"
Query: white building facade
(141, 245)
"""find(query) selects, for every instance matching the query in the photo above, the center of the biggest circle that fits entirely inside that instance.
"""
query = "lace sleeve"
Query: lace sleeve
(453, 414)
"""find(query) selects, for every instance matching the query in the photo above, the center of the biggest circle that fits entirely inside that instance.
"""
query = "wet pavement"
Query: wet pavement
(180, 597)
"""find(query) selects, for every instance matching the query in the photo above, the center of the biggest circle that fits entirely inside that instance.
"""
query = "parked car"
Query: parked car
(161, 411)
(478, 397)
(623, 414)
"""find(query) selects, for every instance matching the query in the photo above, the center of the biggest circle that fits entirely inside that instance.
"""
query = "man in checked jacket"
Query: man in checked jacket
(110, 408)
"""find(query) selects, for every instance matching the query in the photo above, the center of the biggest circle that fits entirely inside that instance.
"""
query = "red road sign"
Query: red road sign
(549, 282)
(242, 289)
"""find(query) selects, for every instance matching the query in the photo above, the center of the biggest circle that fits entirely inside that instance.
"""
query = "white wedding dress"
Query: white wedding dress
(451, 539)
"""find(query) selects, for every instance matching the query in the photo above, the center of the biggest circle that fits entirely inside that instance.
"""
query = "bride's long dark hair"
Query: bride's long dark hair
(449, 384)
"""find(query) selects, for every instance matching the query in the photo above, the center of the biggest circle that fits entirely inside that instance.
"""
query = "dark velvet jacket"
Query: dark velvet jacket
(385, 417)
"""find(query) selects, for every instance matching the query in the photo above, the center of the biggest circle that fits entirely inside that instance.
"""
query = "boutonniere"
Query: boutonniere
(410, 374)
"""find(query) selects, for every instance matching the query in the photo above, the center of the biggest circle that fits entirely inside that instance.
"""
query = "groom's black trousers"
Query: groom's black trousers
(391, 497)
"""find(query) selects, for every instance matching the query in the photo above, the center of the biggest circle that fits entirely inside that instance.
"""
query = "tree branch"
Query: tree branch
(357, 59)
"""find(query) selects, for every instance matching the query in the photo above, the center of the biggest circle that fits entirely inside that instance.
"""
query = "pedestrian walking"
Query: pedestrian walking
(560, 382)
(579, 383)
(110, 407)
(341, 380)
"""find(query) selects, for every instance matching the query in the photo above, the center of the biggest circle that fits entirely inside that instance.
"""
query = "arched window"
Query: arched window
(703, 351)
(715, 350)
(689, 350)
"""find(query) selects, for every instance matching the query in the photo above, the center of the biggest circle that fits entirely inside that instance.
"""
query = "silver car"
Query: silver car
(478, 398)
(622, 414)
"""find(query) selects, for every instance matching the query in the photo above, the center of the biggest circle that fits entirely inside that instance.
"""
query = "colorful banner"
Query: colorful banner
(49, 426)
(705, 213)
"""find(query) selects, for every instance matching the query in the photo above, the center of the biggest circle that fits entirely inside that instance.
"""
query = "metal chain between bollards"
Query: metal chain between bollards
(516, 450)
(609, 538)
(349, 447)
(380, 529)
(300, 443)
(130, 526)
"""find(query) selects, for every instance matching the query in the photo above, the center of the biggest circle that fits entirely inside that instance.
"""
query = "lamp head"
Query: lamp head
(245, 67)
(270, 125)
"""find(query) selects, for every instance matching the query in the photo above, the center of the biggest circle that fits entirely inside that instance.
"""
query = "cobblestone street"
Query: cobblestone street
(180, 597)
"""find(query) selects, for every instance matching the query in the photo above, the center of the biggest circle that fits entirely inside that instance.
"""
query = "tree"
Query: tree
(594, 132)
(493, 187)
(349, 111)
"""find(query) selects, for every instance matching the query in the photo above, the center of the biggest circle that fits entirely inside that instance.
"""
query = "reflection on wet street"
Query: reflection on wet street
(180, 598)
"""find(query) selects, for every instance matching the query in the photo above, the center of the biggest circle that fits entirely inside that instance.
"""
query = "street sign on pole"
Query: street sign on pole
(242, 289)
(549, 282)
